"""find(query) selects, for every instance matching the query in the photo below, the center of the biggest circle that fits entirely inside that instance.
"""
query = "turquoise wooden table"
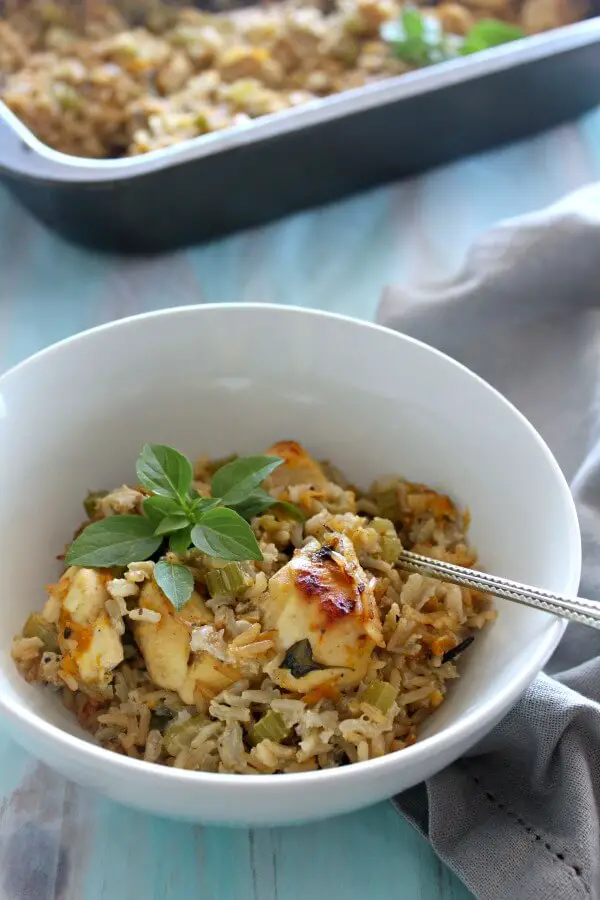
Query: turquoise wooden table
(59, 842)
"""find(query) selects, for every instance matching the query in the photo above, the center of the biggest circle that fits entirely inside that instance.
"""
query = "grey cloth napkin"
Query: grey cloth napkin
(520, 816)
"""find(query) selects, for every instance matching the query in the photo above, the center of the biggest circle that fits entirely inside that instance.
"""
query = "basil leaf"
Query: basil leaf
(418, 39)
(291, 508)
(172, 523)
(202, 505)
(299, 659)
(413, 24)
(260, 501)
(156, 508)
(236, 480)
(255, 504)
(180, 541)
(115, 541)
(175, 581)
(489, 33)
(164, 471)
(223, 533)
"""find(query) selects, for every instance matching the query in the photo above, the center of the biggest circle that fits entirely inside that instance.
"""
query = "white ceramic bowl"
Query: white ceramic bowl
(215, 379)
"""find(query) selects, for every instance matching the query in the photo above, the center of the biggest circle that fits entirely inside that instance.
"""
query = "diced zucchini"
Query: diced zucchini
(271, 727)
(37, 626)
(380, 695)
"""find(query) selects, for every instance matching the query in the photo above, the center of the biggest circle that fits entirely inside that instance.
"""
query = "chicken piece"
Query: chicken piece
(486, 7)
(240, 62)
(322, 596)
(341, 46)
(165, 645)
(174, 74)
(305, 29)
(366, 19)
(249, 96)
(89, 642)
(200, 42)
(298, 468)
(454, 18)
(166, 649)
(207, 676)
(137, 51)
(544, 15)
(13, 49)
(121, 501)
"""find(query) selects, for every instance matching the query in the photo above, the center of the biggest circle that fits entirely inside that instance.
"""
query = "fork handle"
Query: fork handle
(575, 609)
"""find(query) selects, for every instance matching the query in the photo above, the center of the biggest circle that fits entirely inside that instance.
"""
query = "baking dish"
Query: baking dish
(309, 155)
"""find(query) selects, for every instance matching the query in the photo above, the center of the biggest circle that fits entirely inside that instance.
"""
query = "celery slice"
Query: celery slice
(90, 504)
(388, 503)
(179, 735)
(391, 548)
(37, 626)
(271, 727)
(380, 695)
(231, 579)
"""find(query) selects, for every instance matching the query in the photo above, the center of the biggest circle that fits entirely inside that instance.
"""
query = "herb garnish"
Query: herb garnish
(299, 659)
(449, 655)
(217, 525)
(419, 39)
(488, 33)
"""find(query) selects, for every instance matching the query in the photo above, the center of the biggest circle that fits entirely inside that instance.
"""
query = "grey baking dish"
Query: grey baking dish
(309, 155)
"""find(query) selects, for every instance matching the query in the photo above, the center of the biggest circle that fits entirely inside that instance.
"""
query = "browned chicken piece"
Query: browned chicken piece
(454, 17)
(13, 49)
(240, 62)
(544, 15)
(322, 606)
(299, 468)
(207, 677)
(369, 16)
(89, 642)
(165, 646)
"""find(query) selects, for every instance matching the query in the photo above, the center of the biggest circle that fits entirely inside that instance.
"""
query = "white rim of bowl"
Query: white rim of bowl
(454, 734)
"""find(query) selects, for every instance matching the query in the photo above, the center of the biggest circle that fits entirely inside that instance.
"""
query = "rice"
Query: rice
(90, 83)
(144, 615)
(210, 725)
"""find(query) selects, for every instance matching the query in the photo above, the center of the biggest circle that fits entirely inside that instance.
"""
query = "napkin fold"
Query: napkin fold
(519, 817)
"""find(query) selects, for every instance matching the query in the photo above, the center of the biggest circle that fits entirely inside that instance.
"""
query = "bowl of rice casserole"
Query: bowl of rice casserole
(202, 613)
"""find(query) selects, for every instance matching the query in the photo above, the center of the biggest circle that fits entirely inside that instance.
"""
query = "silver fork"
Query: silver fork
(576, 609)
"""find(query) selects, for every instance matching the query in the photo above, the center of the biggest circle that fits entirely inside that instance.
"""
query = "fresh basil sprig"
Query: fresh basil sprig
(419, 39)
(174, 512)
